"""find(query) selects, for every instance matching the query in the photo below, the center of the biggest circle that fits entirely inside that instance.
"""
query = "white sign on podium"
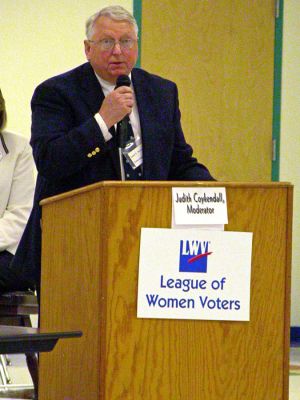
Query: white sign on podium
(195, 206)
(194, 274)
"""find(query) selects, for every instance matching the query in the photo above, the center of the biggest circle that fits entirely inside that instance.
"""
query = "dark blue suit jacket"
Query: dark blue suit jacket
(64, 132)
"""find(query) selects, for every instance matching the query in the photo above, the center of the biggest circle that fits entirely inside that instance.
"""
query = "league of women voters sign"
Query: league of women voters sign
(194, 274)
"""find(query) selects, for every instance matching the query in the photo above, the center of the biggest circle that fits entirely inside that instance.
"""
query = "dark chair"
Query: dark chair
(15, 310)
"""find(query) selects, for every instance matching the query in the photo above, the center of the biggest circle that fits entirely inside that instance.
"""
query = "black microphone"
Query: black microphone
(122, 126)
(123, 80)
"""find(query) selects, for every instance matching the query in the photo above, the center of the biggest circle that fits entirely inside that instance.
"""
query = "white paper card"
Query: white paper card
(197, 206)
(133, 153)
(204, 227)
(194, 274)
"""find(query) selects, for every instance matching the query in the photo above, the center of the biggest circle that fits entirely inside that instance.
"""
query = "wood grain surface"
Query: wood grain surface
(89, 282)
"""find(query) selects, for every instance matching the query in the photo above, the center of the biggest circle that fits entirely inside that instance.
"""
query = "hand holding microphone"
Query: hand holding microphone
(118, 104)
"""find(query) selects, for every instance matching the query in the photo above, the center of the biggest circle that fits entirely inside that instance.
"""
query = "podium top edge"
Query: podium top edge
(164, 184)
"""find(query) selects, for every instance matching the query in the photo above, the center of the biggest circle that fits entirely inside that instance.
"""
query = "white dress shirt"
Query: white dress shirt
(17, 183)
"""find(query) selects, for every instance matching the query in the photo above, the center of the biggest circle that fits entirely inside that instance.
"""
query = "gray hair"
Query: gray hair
(3, 116)
(116, 13)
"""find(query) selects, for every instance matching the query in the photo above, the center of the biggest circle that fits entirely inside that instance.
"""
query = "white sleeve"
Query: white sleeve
(106, 134)
(16, 214)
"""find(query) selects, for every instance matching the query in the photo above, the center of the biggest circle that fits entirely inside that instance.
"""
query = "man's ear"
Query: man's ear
(87, 48)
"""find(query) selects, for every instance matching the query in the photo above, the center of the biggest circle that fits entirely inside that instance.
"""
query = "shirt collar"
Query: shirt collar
(107, 87)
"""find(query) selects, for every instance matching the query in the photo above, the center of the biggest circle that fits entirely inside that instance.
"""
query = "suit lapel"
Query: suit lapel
(91, 90)
(93, 96)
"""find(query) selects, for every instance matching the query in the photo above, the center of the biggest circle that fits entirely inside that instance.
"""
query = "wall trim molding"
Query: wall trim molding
(137, 12)
(277, 92)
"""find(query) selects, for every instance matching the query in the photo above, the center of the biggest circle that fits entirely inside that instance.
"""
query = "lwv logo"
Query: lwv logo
(193, 256)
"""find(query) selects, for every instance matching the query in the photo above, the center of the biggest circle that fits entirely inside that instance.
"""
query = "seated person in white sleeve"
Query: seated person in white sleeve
(17, 184)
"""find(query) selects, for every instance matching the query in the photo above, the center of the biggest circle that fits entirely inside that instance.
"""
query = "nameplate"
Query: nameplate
(196, 206)
(194, 274)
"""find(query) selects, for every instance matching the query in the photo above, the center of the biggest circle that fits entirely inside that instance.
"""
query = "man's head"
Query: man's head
(2, 112)
(111, 46)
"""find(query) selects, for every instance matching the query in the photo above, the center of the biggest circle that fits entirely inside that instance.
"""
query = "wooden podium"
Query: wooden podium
(90, 256)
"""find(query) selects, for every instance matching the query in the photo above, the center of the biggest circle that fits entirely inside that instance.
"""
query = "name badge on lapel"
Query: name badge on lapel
(133, 152)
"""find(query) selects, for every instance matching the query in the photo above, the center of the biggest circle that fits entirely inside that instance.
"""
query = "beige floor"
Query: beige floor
(295, 373)
(21, 384)
(19, 373)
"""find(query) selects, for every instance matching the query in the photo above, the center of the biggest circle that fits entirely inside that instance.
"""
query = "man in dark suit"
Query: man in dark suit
(74, 139)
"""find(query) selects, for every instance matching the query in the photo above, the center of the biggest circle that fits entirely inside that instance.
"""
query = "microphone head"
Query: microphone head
(123, 80)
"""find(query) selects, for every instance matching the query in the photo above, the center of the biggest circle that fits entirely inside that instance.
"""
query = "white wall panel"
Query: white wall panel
(39, 39)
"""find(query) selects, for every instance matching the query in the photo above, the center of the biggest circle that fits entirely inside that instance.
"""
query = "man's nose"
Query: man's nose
(117, 48)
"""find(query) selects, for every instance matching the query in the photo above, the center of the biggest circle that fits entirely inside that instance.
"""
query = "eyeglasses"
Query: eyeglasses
(109, 44)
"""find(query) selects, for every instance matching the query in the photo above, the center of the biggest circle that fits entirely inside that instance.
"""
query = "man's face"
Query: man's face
(109, 64)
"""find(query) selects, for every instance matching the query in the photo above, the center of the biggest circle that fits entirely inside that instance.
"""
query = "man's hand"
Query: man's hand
(116, 105)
